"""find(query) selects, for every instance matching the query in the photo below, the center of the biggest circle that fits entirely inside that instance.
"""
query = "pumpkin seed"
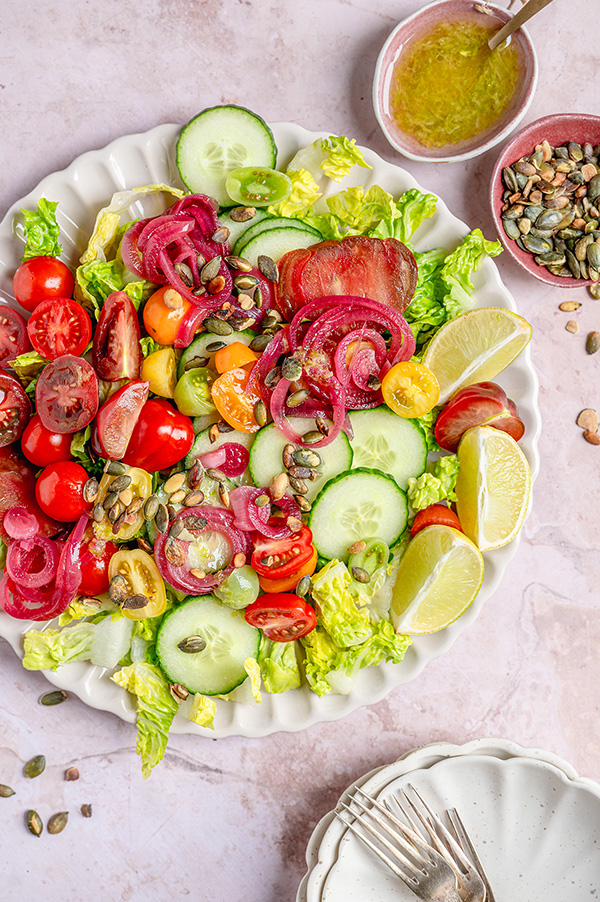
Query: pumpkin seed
(216, 285)
(192, 645)
(593, 255)
(510, 179)
(511, 228)
(220, 235)
(360, 575)
(71, 774)
(550, 257)
(90, 490)
(297, 397)
(35, 767)
(86, 810)
(279, 486)
(161, 518)
(179, 692)
(34, 822)
(174, 552)
(118, 589)
(58, 822)
(291, 369)
(57, 697)
(245, 281)
(304, 457)
(536, 245)
(224, 495)
(298, 486)
(322, 425)
(268, 268)
(260, 412)
(302, 503)
(242, 214)
(569, 306)
(549, 219)
(193, 498)
(260, 343)
(592, 437)
(185, 274)
(572, 326)
(195, 524)
(217, 326)
(303, 587)
(135, 602)
(592, 342)
(588, 419)
(311, 437)
(300, 472)
(98, 513)
(238, 263)
(294, 523)
(5, 791)
(573, 263)
(287, 455)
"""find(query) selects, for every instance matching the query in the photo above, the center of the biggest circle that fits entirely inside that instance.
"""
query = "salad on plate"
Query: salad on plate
(253, 441)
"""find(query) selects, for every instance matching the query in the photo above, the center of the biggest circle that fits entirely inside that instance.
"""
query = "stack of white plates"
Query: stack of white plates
(533, 821)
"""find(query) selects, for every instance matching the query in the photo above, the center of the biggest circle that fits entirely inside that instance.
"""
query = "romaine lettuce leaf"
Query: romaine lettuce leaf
(50, 649)
(340, 154)
(278, 665)
(94, 282)
(41, 230)
(203, 711)
(436, 485)
(337, 607)
(305, 192)
(459, 265)
(407, 214)
(253, 670)
(354, 211)
(27, 368)
(156, 709)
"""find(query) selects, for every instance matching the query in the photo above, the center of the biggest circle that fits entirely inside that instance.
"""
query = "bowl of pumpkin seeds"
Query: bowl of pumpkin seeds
(545, 197)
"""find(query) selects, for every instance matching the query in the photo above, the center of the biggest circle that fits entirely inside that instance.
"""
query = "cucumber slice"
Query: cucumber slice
(266, 224)
(198, 346)
(389, 443)
(277, 242)
(218, 140)
(265, 456)
(237, 229)
(219, 668)
(355, 505)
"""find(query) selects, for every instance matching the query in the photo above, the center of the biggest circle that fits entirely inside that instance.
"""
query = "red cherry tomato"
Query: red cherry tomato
(116, 419)
(59, 491)
(286, 561)
(40, 278)
(282, 618)
(95, 557)
(480, 404)
(43, 447)
(59, 326)
(116, 351)
(15, 408)
(13, 334)
(66, 394)
(161, 437)
(17, 489)
(435, 515)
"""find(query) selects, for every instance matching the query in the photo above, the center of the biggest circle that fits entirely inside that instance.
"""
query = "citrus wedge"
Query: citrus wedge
(438, 578)
(493, 487)
(475, 347)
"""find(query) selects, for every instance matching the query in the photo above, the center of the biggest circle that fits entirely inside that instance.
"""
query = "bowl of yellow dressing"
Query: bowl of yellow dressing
(440, 94)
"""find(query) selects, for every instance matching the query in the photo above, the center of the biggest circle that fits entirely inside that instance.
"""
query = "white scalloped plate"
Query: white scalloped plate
(535, 823)
(81, 190)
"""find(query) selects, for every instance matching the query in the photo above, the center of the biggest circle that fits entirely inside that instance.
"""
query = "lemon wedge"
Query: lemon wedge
(438, 578)
(475, 347)
(493, 487)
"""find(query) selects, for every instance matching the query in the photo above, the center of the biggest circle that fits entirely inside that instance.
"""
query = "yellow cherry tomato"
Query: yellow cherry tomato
(163, 313)
(233, 356)
(160, 370)
(410, 389)
(141, 578)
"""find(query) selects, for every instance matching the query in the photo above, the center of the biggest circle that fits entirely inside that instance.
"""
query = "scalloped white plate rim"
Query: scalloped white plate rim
(87, 177)
(323, 845)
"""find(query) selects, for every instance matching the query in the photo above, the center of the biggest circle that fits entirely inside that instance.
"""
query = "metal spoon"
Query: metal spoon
(525, 13)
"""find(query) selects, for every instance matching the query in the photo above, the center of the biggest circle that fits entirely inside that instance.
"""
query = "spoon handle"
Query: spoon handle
(525, 13)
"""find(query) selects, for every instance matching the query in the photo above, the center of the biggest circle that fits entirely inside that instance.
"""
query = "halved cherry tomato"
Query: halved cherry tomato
(161, 437)
(142, 578)
(233, 402)
(257, 186)
(161, 320)
(281, 563)
(281, 617)
(59, 326)
(232, 356)
(160, 370)
(435, 515)
(59, 491)
(410, 389)
(116, 351)
(15, 409)
(13, 334)
(43, 447)
(116, 419)
(66, 394)
(95, 557)
(480, 404)
(40, 278)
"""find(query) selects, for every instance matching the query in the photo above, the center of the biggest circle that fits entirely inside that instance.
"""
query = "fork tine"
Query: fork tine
(410, 882)
(465, 840)
(453, 847)
(412, 835)
(370, 828)
(425, 825)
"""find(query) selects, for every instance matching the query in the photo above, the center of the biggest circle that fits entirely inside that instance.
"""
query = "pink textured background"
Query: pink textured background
(229, 820)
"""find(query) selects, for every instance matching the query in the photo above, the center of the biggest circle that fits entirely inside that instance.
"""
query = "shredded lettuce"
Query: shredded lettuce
(305, 192)
(156, 709)
(410, 210)
(436, 485)
(340, 155)
(77, 610)
(50, 649)
(203, 711)
(336, 605)
(41, 230)
(278, 665)
(354, 211)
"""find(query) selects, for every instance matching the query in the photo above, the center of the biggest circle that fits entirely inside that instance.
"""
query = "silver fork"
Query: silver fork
(471, 887)
(420, 867)
(465, 841)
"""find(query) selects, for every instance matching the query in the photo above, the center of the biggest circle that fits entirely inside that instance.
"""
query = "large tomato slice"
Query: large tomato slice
(116, 352)
(66, 394)
(382, 269)
(13, 334)
(15, 408)
(117, 417)
(17, 489)
(59, 326)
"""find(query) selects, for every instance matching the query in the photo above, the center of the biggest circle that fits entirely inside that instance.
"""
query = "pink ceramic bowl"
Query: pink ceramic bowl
(415, 27)
(558, 129)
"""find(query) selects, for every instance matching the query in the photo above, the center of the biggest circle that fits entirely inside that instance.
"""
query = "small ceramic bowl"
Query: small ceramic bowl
(558, 129)
(415, 27)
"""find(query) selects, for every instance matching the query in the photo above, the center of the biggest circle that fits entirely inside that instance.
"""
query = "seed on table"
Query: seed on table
(361, 575)
(135, 602)
(357, 547)
(35, 767)
(594, 290)
(71, 774)
(592, 437)
(58, 822)
(569, 306)
(90, 490)
(34, 822)
(86, 810)
(6, 791)
(56, 697)
(592, 342)
(572, 326)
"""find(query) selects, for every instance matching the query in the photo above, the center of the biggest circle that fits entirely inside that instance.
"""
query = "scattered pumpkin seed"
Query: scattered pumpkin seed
(179, 692)
(174, 552)
(210, 270)
(98, 513)
(151, 507)
(592, 437)
(215, 346)
(185, 274)
(303, 587)
(592, 342)
(279, 486)
(197, 573)
(239, 560)
(224, 495)
(35, 766)
(144, 544)
(86, 810)
(174, 483)
(298, 485)
(90, 489)
(239, 263)
(297, 398)
(192, 645)
(118, 589)
(294, 523)
(213, 433)
(322, 425)
(177, 527)
(260, 343)
(300, 472)
(588, 419)
(287, 456)
(304, 457)
(572, 326)
(34, 822)
(71, 774)
(262, 500)
(216, 285)
(357, 547)
(5, 791)
(220, 235)
(115, 468)
(195, 524)
(569, 306)
(173, 300)
(291, 369)
(311, 437)
(217, 326)
(58, 822)
(242, 214)
(245, 282)
(196, 362)
(161, 518)
(56, 697)
(193, 498)
(260, 413)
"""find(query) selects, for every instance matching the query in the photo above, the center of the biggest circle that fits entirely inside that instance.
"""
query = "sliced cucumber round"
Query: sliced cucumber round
(274, 243)
(218, 140)
(266, 462)
(389, 443)
(219, 667)
(199, 346)
(237, 229)
(266, 225)
(357, 505)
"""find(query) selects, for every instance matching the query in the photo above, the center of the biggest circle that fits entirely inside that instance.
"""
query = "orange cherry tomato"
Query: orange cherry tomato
(234, 403)
(161, 321)
(435, 515)
(285, 583)
(233, 356)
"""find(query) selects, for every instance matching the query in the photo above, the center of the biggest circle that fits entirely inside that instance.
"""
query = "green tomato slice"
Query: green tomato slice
(257, 186)
(192, 392)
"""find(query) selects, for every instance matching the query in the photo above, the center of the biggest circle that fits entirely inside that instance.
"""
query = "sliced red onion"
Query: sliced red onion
(129, 247)
(20, 523)
(32, 563)
(188, 327)
(213, 458)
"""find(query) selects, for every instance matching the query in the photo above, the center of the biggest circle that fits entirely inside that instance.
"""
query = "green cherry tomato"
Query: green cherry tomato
(375, 555)
(258, 187)
(192, 392)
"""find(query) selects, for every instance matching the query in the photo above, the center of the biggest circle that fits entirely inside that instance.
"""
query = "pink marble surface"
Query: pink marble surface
(229, 819)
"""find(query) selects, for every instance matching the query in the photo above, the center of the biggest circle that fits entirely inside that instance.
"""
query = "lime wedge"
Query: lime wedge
(493, 487)
(475, 347)
(438, 578)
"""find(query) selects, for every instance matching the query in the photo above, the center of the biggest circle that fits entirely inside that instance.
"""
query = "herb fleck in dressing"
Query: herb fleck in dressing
(448, 86)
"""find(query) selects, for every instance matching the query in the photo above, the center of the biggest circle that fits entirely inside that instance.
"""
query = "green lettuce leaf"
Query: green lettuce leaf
(253, 670)
(458, 267)
(96, 280)
(305, 192)
(336, 605)
(436, 485)
(278, 665)
(330, 668)
(3, 550)
(427, 424)
(156, 709)
(340, 155)
(50, 649)
(407, 214)
(77, 610)
(149, 346)
(203, 711)
(354, 211)
(41, 231)
(27, 368)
